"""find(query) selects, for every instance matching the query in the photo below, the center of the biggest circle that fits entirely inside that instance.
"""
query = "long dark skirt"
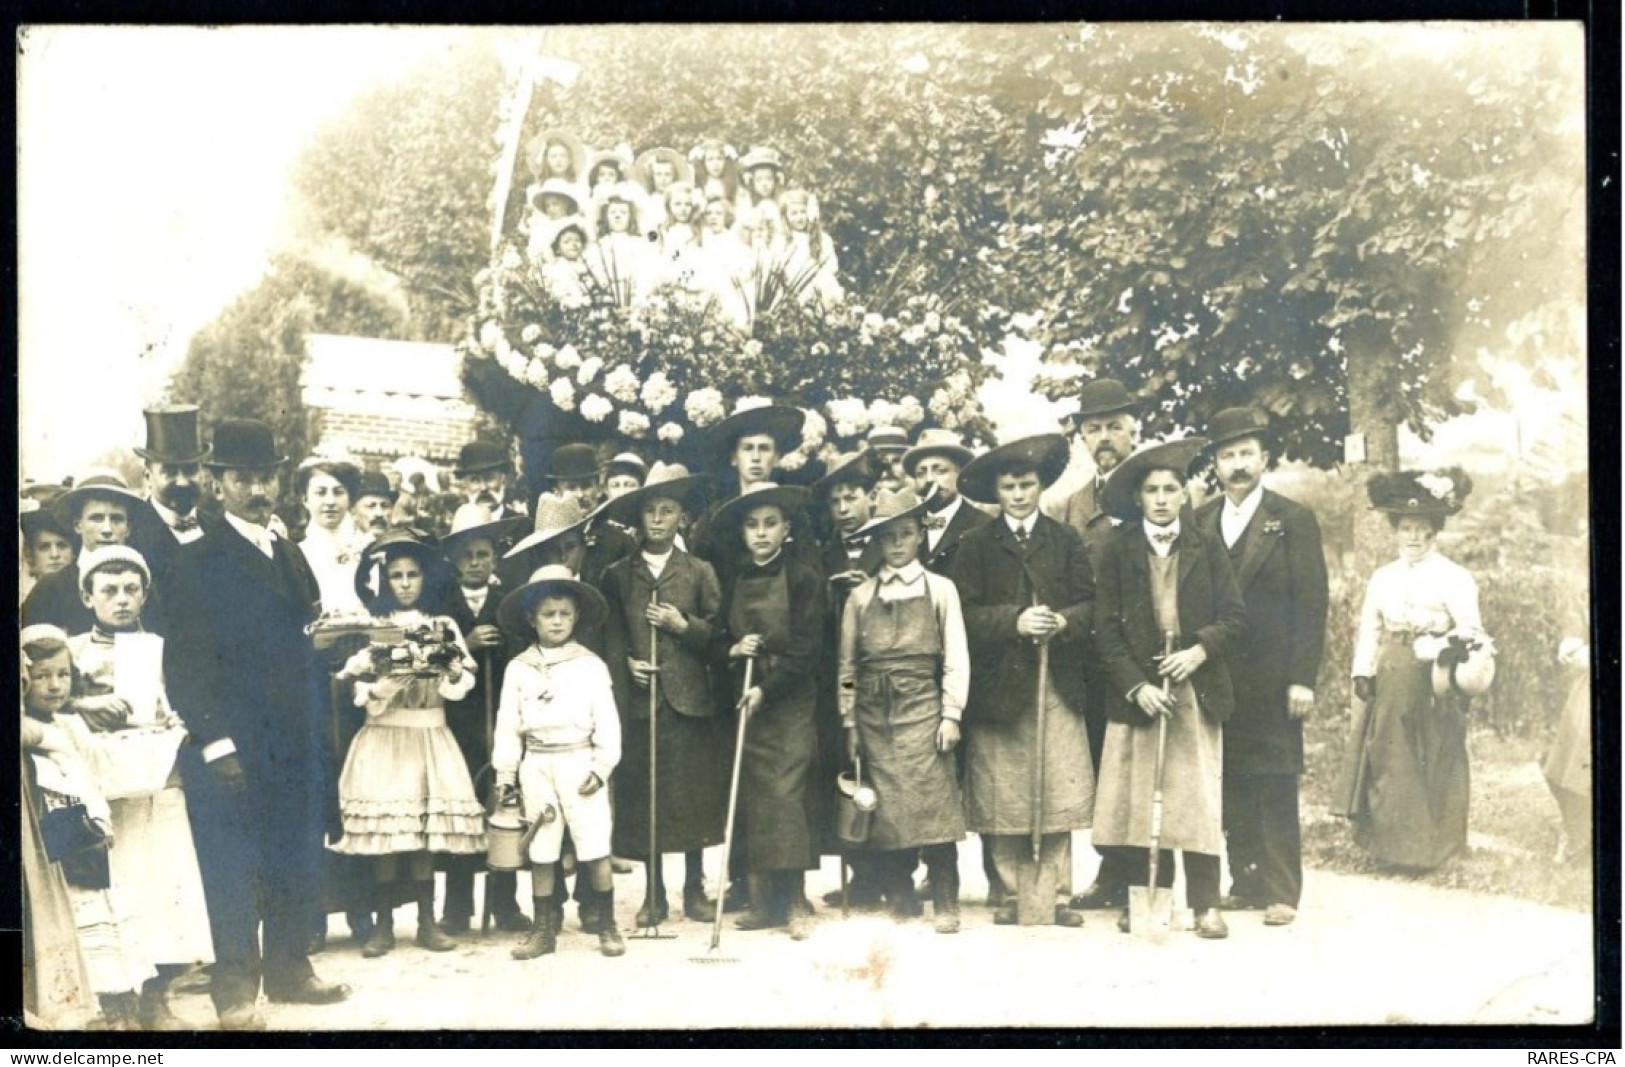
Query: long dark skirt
(1414, 809)
(691, 780)
(775, 784)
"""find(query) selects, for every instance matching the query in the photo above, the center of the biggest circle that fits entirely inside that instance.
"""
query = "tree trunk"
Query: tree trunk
(1372, 415)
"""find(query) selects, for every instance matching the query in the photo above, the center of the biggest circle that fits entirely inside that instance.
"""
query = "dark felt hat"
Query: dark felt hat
(1104, 396)
(38, 514)
(1415, 492)
(854, 468)
(572, 463)
(391, 545)
(477, 457)
(375, 483)
(244, 444)
(1120, 497)
(781, 423)
(670, 481)
(1232, 424)
(513, 614)
(787, 498)
(172, 435)
(1045, 453)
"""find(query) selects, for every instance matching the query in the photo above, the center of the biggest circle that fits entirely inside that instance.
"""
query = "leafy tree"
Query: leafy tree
(403, 179)
(246, 363)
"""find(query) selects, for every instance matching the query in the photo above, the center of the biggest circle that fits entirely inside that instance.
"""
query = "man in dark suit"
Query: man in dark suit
(934, 464)
(484, 475)
(168, 518)
(1109, 427)
(259, 783)
(1275, 550)
(1025, 581)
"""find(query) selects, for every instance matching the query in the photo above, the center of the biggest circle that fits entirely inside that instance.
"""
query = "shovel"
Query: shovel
(1150, 909)
(1035, 885)
(728, 835)
(652, 931)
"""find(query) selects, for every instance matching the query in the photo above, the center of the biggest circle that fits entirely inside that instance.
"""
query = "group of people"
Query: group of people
(606, 226)
(314, 727)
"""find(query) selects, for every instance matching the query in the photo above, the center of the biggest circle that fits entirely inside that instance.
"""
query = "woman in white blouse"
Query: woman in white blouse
(1411, 792)
(332, 543)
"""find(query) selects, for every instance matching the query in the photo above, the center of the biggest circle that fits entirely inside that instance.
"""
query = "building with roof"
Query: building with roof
(381, 400)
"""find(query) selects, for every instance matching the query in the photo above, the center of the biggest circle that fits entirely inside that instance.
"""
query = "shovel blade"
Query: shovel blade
(1150, 912)
(1035, 895)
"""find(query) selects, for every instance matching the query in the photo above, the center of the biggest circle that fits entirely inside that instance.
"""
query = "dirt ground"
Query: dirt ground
(1364, 950)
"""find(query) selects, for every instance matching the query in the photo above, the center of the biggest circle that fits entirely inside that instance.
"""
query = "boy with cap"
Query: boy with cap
(98, 510)
(155, 860)
(1024, 582)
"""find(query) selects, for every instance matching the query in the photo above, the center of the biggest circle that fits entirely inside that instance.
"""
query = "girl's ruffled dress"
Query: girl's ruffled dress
(405, 786)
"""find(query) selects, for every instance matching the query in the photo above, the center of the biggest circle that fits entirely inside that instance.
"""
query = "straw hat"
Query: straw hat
(513, 614)
(1120, 497)
(103, 484)
(554, 187)
(760, 156)
(892, 506)
(536, 151)
(643, 166)
(937, 442)
(556, 516)
(670, 481)
(1046, 453)
(473, 522)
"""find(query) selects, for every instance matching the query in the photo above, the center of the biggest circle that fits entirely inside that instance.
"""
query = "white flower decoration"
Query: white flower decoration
(531, 334)
(589, 370)
(1437, 484)
(563, 392)
(670, 433)
(622, 384)
(748, 403)
(596, 408)
(658, 393)
(704, 407)
(633, 423)
(568, 358)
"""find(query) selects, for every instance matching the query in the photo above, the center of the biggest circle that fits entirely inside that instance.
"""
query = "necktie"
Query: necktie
(934, 522)
(1021, 536)
(1165, 538)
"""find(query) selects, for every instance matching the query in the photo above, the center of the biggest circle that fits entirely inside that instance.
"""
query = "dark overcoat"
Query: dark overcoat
(1211, 613)
(997, 581)
(1280, 571)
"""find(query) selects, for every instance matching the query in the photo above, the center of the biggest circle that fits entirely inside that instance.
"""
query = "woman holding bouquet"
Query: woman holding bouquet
(405, 793)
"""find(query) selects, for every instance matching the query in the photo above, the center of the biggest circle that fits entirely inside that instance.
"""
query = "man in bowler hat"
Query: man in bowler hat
(1275, 549)
(484, 476)
(1109, 428)
(256, 767)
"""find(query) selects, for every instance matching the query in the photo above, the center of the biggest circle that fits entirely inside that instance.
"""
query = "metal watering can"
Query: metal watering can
(508, 838)
(854, 807)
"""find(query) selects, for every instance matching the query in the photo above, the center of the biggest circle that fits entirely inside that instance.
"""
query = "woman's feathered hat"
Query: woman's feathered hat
(1415, 492)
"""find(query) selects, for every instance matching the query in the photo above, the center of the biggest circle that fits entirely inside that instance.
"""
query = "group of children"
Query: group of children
(604, 225)
(651, 624)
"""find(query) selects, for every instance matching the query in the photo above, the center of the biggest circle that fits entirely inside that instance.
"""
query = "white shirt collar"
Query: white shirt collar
(908, 573)
(1024, 525)
(170, 517)
(258, 536)
(1152, 530)
(948, 511)
(1248, 506)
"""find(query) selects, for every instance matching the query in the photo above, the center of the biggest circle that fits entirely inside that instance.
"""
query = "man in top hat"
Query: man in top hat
(98, 511)
(1274, 546)
(373, 508)
(934, 464)
(1109, 428)
(257, 769)
(1025, 582)
(484, 476)
(169, 517)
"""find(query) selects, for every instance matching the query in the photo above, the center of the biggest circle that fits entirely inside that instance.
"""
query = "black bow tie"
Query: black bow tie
(184, 525)
(934, 522)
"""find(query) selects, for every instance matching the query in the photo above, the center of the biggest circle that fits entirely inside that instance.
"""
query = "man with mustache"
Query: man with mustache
(1110, 430)
(1274, 546)
(483, 473)
(374, 504)
(257, 770)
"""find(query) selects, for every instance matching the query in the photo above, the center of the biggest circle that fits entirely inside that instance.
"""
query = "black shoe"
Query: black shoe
(241, 1017)
(1005, 914)
(1065, 916)
(308, 990)
(697, 907)
(653, 916)
(316, 945)
(737, 896)
(1123, 922)
(756, 919)
(543, 939)
(455, 925)
(1099, 897)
